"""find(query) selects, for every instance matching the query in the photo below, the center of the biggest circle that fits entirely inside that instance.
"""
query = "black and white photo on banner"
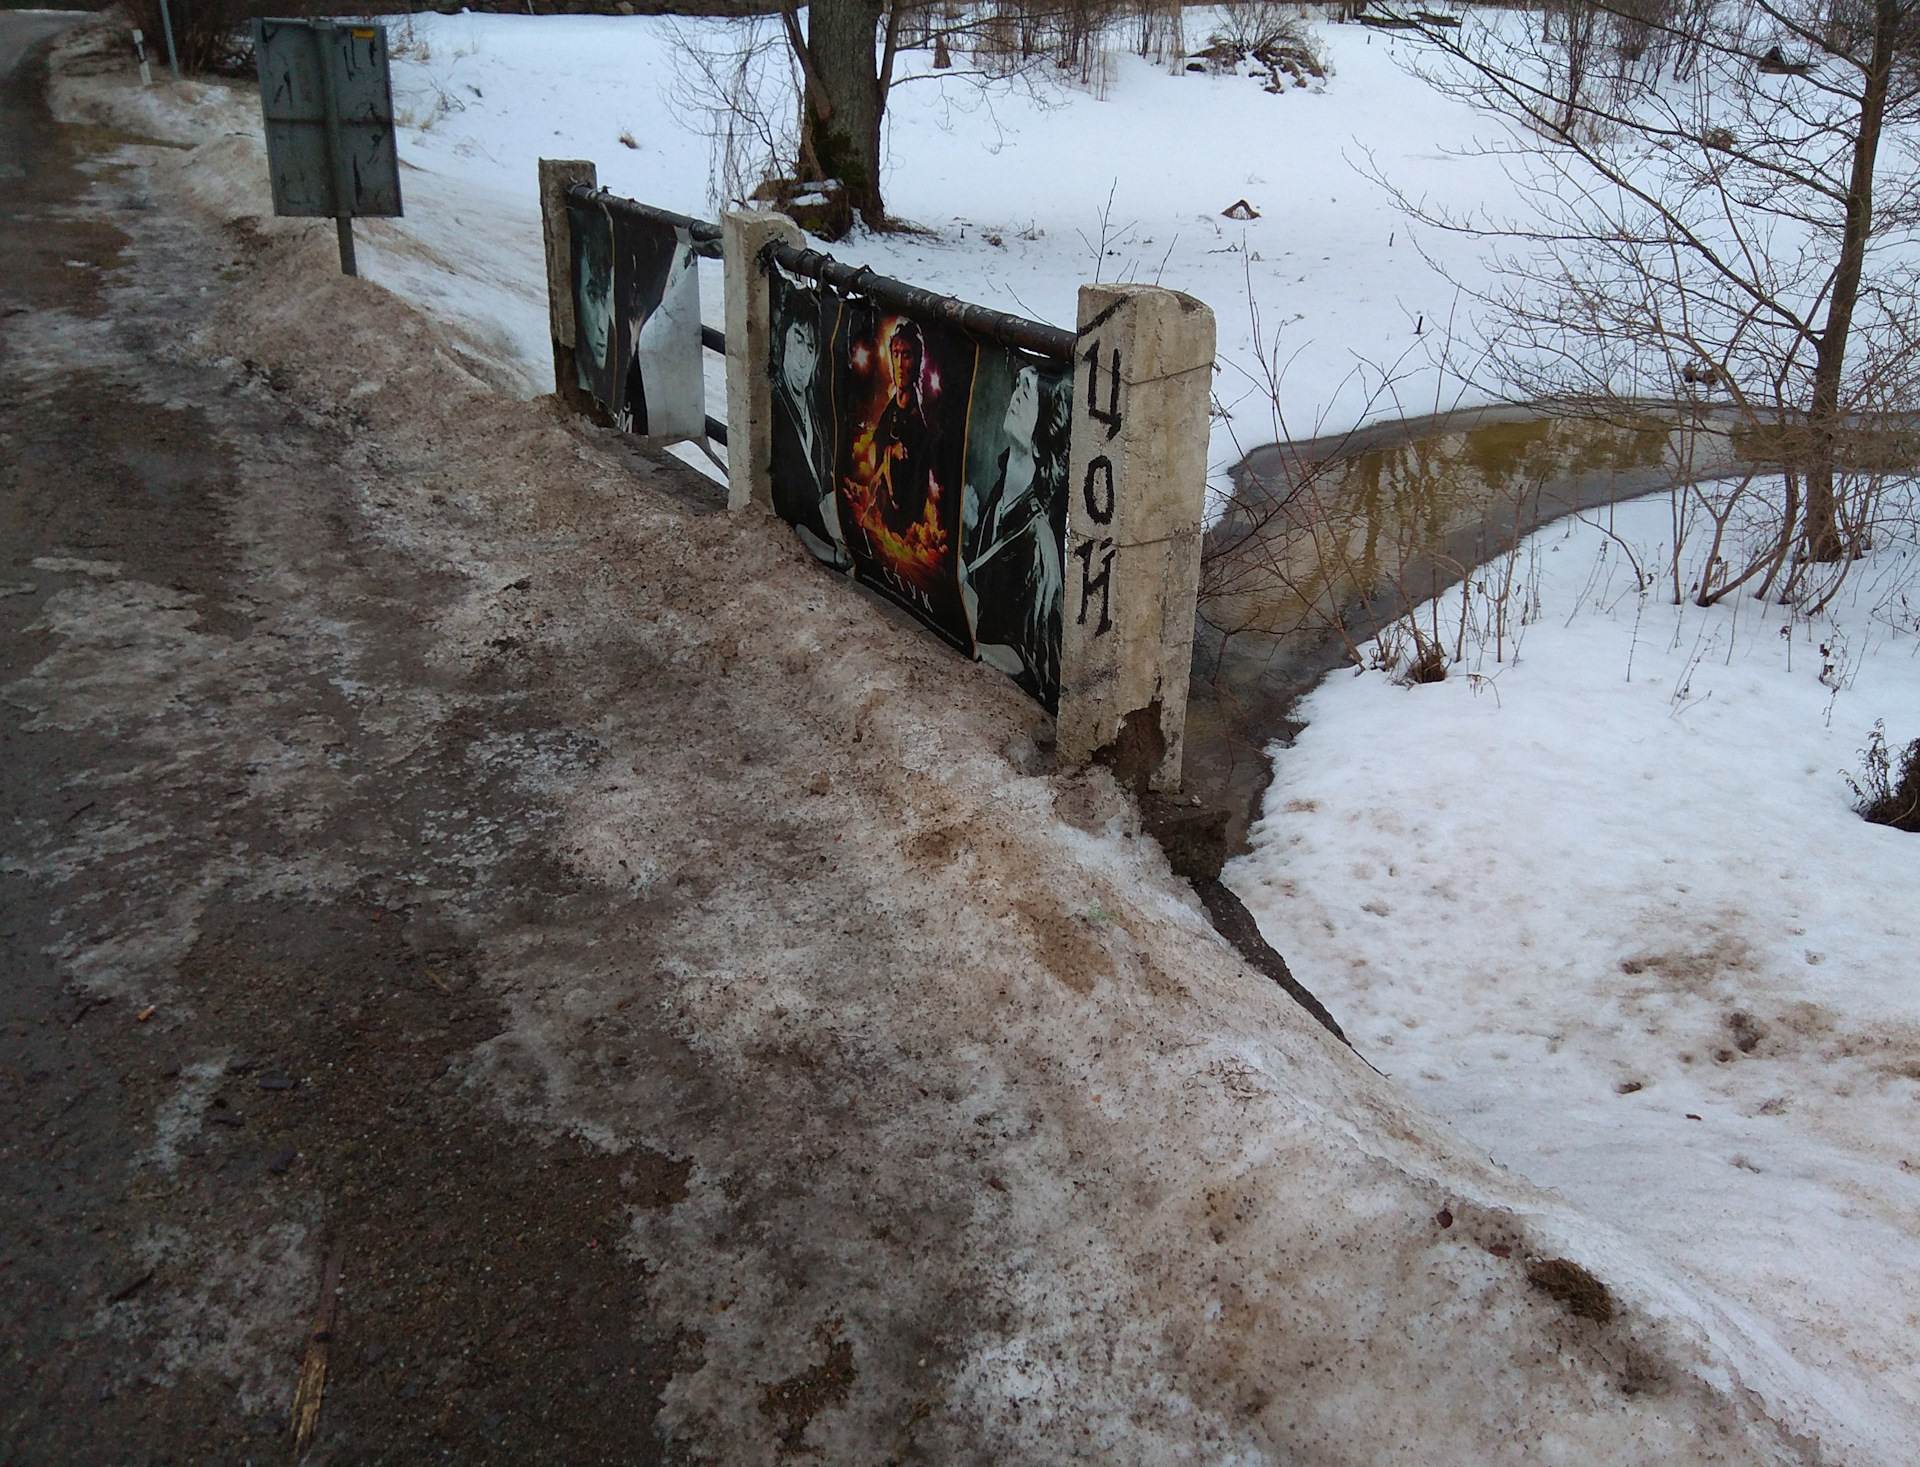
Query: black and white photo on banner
(1013, 519)
(805, 448)
(637, 344)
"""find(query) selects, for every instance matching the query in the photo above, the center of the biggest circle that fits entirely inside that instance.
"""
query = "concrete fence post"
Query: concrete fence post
(557, 175)
(1143, 380)
(744, 233)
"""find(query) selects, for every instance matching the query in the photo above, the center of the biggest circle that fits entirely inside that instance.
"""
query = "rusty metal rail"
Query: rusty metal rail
(704, 234)
(1008, 330)
(1014, 331)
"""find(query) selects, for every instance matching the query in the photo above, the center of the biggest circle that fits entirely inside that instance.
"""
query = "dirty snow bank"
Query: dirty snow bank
(1607, 909)
(996, 1151)
(469, 255)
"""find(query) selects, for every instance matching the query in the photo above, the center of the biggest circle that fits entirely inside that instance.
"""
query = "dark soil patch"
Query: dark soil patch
(1579, 1292)
(795, 1401)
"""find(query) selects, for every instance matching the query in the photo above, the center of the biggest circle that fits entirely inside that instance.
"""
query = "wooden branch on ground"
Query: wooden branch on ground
(312, 1389)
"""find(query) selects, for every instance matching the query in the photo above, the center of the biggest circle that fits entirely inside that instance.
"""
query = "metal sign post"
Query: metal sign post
(342, 178)
(328, 107)
(166, 25)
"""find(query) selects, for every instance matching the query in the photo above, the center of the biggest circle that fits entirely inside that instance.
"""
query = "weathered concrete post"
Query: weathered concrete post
(744, 233)
(1137, 483)
(557, 175)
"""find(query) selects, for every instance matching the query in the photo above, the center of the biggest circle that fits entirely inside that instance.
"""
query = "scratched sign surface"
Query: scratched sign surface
(302, 65)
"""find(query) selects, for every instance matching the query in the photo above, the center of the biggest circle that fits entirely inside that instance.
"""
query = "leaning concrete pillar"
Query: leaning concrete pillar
(744, 234)
(557, 175)
(1142, 382)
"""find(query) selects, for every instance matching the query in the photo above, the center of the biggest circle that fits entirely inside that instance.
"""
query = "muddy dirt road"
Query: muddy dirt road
(170, 1181)
(694, 1010)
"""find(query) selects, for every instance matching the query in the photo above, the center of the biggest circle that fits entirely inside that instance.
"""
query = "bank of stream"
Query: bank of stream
(1327, 542)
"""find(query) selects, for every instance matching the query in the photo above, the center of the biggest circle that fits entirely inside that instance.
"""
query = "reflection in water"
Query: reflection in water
(1326, 543)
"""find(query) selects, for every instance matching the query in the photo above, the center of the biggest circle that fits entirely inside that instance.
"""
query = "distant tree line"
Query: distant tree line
(211, 35)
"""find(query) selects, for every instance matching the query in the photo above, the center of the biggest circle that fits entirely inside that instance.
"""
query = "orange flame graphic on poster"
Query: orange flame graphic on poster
(919, 552)
(922, 551)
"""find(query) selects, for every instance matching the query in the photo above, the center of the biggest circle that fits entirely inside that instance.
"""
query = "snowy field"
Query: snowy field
(1606, 908)
(1015, 185)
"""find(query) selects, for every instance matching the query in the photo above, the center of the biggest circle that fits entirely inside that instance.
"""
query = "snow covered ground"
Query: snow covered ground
(1326, 282)
(1328, 264)
(1606, 908)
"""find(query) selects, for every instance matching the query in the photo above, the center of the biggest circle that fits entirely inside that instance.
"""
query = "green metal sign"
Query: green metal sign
(328, 108)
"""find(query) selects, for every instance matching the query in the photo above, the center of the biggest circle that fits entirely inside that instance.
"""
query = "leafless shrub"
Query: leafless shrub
(1271, 36)
(1253, 24)
(1410, 654)
(1160, 32)
(1882, 796)
(208, 35)
(1695, 233)
(742, 78)
(1008, 37)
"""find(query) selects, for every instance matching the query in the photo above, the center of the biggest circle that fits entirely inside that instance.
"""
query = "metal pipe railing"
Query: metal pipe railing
(1008, 330)
(1014, 331)
(704, 234)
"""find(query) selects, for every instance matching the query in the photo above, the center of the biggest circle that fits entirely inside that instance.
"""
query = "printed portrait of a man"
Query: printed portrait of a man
(902, 464)
(804, 446)
(907, 387)
(593, 328)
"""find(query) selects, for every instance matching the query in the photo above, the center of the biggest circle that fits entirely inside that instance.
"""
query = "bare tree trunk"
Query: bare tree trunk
(1789, 519)
(844, 96)
(1578, 21)
(1824, 541)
